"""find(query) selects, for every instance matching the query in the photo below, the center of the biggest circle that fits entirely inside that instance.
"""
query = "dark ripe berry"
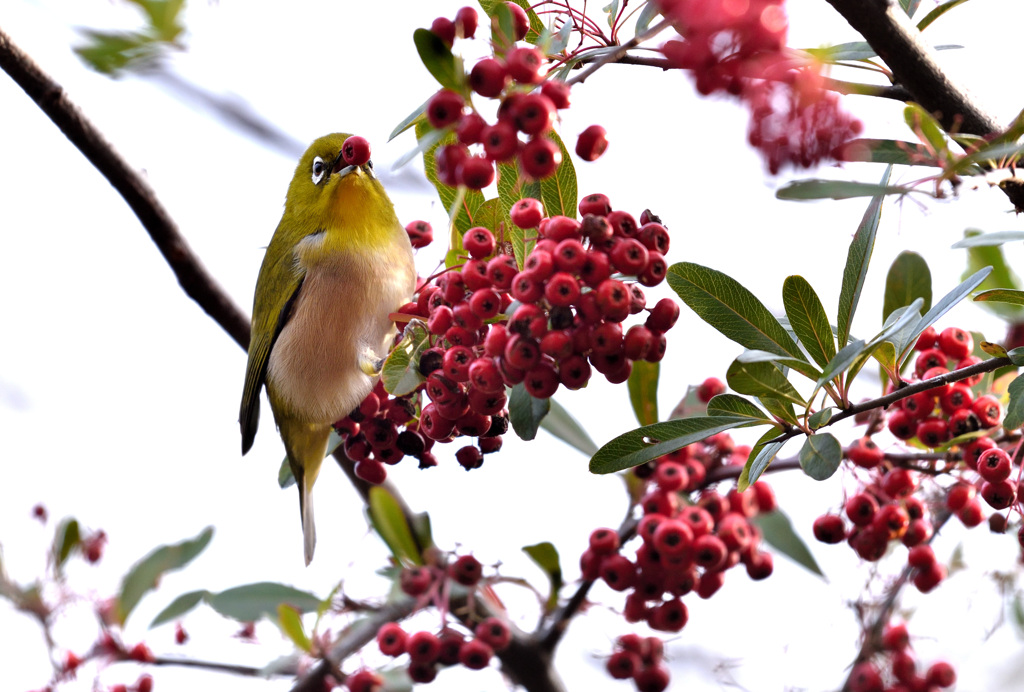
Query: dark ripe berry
(921, 557)
(539, 265)
(637, 342)
(920, 405)
(970, 514)
(672, 537)
(557, 91)
(144, 683)
(623, 225)
(423, 647)
(488, 77)
(493, 632)
(522, 352)
(613, 300)
(447, 162)
(829, 528)
(466, 22)
(606, 338)
(525, 65)
(929, 337)
(474, 276)
(670, 616)
(475, 654)
(478, 242)
(562, 289)
(501, 270)
(891, 520)
(356, 447)
(895, 637)
(541, 381)
(427, 460)
(466, 570)
(470, 129)
(497, 337)
(434, 425)
(557, 344)
(485, 377)
(663, 315)
(861, 509)
(623, 665)
(958, 396)
(526, 289)
(997, 523)
(604, 541)
(574, 372)
(994, 465)
(710, 583)
(510, 375)
(865, 678)
(956, 343)
(355, 151)
(380, 433)
(559, 228)
(637, 299)
(760, 566)
(469, 457)
(371, 471)
(520, 20)
(444, 108)
(744, 503)
(652, 679)
(430, 361)
(975, 449)
(540, 157)
(697, 518)
(963, 421)
(364, 681)
(527, 213)
(709, 551)
(941, 674)
(655, 271)
(476, 172)
(999, 495)
(865, 453)
(534, 114)
(597, 204)
(918, 531)
(487, 403)
(988, 410)
(959, 495)
(618, 572)
(926, 580)
(420, 234)
(500, 141)
(590, 565)
(630, 257)
(422, 672)
(966, 363)
(898, 483)
(591, 143)
(926, 360)
(442, 389)
(654, 237)
(473, 424)
(444, 29)
(932, 432)
(411, 442)
(528, 320)
(391, 639)
(569, 256)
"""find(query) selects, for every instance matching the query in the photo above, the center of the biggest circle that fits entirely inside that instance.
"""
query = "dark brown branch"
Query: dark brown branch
(248, 671)
(914, 64)
(193, 277)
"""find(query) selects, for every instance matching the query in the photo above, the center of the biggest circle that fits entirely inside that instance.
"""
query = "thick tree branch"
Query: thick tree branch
(193, 277)
(914, 64)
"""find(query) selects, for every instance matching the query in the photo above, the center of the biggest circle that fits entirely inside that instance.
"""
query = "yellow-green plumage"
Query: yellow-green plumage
(338, 264)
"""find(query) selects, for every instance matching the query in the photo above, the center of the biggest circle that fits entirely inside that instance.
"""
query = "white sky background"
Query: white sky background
(119, 397)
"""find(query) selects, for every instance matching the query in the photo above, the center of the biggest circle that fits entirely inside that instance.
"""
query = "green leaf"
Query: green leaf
(145, 575)
(808, 319)
(857, 259)
(652, 441)
(179, 606)
(730, 308)
(251, 602)
(66, 538)
(944, 305)
(546, 557)
(560, 423)
(471, 199)
(801, 366)
(761, 455)
(777, 531)
(1002, 275)
(992, 153)
(733, 405)
(900, 325)
(525, 412)
(888, 151)
(854, 50)
(643, 391)
(558, 192)
(908, 278)
(1009, 296)
(647, 14)
(978, 239)
(761, 380)
(814, 188)
(401, 372)
(910, 6)
(1016, 355)
(842, 360)
(561, 39)
(428, 142)
(820, 456)
(1015, 407)
(938, 12)
(410, 120)
(783, 410)
(390, 523)
(513, 185)
(924, 124)
(612, 9)
(290, 623)
(820, 419)
(439, 60)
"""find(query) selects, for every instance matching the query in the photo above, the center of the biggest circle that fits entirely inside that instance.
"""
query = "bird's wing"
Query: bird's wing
(279, 283)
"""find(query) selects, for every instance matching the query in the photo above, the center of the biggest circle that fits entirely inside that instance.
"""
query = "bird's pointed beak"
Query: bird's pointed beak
(339, 168)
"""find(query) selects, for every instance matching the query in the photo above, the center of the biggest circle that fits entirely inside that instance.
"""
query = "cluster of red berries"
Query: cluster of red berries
(639, 659)
(109, 648)
(516, 76)
(893, 668)
(739, 49)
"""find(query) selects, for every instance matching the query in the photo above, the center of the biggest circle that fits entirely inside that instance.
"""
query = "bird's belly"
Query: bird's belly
(314, 372)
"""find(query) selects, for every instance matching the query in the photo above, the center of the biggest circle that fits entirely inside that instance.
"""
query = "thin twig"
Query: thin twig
(613, 56)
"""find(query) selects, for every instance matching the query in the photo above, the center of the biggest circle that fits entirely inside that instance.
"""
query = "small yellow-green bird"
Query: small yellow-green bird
(338, 264)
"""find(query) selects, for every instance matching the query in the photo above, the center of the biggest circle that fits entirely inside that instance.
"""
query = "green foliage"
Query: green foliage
(643, 391)
(762, 380)
(733, 405)
(777, 530)
(401, 374)
(66, 538)
(289, 621)
(888, 151)
(545, 556)
(560, 423)
(439, 60)
(801, 190)
(558, 193)
(908, 279)
(114, 53)
(761, 455)
(246, 603)
(983, 250)
(938, 12)
(461, 209)
(808, 319)
(820, 456)
(389, 521)
(1015, 407)
(525, 412)
(145, 575)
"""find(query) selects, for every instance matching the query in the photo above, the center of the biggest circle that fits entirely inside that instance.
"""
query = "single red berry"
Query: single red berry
(630, 256)
(466, 22)
(604, 541)
(371, 471)
(488, 77)
(444, 108)
(562, 289)
(364, 680)
(892, 521)
(941, 674)
(470, 129)
(975, 449)
(963, 421)
(958, 396)
(494, 632)
(520, 20)
(574, 372)
(447, 161)
(999, 494)
(423, 647)
(828, 528)
(557, 91)
(926, 360)
(663, 315)
(540, 157)
(655, 237)
(141, 653)
(670, 616)
(920, 405)
(929, 337)
(637, 342)
(918, 531)
(926, 580)
(902, 424)
(478, 242)
(180, 635)
(534, 114)
(525, 65)
(904, 666)
(591, 143)
(956, 343)
(475, 654)
(970, 514)
(760, 566)
(618, 572)
(499, 140)
(355, 151)
(898, 482)
(475, 172)
(966, 363)
(623, 665)
(596, 204)
(896, 637)
(444, 29)
(861, 509)
(466, 570)
(988, 410)
(932, 432)
(865, 453)
(527, 213)
(541, 381)
(994, 465)
(613, 300)
(865, 677)
(144, 683)
(652, 679)
(469, 457)
(391, 639)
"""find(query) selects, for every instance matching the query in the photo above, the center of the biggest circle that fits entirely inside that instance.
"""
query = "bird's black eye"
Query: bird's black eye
(369, 164)
(318, 170)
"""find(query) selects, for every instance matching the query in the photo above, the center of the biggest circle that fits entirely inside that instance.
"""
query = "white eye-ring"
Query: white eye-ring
(318, 170)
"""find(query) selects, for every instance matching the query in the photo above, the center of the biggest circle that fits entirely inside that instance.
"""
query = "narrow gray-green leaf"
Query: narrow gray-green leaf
(525, 412)
(842, 360)
(777, 531)
(857, 259)
(908, 278)
(1002, 276)
(813, 188)
(652, 441)
(643, 391)
(800, 365)
(390, 523)
(761, 455)
(988, 239)
(546, 557)
(783, 410)
(944, 305)
(901, 323)
(820, 419)
(938, 12)
(730, 308)
(147, 572)
(560, 423)
(410, 121)
(887, 151)
(179, 606)
(648, 13)
(1015, 408)
(820, 456)
(761, 380)
(1002, 295)
(438, 59)
(910, 6)
(252, 602)
(734, 405)
(808, 319)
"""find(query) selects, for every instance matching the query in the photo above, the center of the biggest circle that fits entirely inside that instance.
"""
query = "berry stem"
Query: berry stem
(614, 56)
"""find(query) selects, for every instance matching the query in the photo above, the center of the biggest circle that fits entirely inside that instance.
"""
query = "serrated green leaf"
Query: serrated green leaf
(439, 60)
(388, 520)
(558, 192)
(1002, 295)
(146, 573)
(734, 405)
(545, 556)
(730, 308)
(560, 423)
(251, 602)
(777, 531)
(887, 151)
(66, 538)
(643, 391)
(857, 260)
(526, 412)
(761, 380)
(1015, 407)
(179, 606)
(820, 456)
(289, 621)
(761, 455)
(943, 306)
(652, 441)
(410, 121)
(820, 419)
(1002, 275)
(979, 239)
(401, 372)
(814, 188)
(808, 319)
(908, 278)
(938, 12)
